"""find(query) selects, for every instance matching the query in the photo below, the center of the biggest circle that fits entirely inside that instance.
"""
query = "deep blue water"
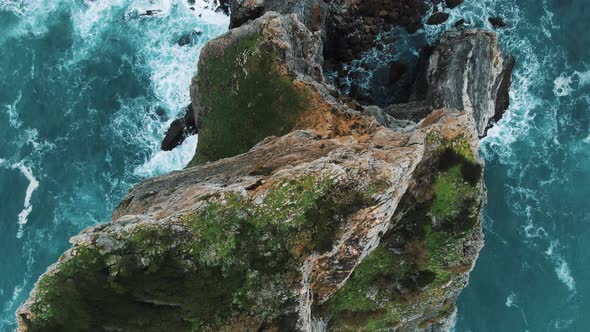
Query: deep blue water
(87, 90)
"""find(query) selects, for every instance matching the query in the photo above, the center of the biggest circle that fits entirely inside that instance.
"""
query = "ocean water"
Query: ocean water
(534, 271)
(87, 88)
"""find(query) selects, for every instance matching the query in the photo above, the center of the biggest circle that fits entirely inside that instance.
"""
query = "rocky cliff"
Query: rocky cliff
(302, 210)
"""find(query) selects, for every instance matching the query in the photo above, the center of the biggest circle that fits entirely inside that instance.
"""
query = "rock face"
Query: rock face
(311, 13)
(302, 211)
(352, 25)
(437, 18)
(455, 77)
(179, 130)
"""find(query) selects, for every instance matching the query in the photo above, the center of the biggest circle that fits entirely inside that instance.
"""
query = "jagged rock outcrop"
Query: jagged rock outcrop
(352, 25)
(179, 130)
(452, 75)
(303, 211)
(312, 13)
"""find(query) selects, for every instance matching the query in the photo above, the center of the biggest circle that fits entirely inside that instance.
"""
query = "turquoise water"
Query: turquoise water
(534, 272)
(88, 88)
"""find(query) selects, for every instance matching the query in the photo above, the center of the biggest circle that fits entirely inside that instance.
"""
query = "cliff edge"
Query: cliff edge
(302, 210)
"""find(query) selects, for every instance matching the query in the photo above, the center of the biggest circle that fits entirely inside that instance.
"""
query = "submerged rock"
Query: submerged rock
(497, 22)
(189, 38)
(460, 23)
(151, 12)
(301, 211)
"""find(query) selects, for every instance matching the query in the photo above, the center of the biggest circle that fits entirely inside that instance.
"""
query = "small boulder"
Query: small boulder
(460, 23)
(179, 130)
(189, 38)
(151, 12)
(224, 7)
(174, 135)
(497, 22)
(437, 18)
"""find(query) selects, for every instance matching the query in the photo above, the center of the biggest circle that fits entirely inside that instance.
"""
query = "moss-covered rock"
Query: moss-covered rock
(232, 257)
(245, 92)
(399, 286)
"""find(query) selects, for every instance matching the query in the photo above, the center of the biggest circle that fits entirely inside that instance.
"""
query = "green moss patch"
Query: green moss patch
(234, 257)
(407, 274)
(402, 278)
(245, 99)
(148, 285)
(456, 192)
(450, 193)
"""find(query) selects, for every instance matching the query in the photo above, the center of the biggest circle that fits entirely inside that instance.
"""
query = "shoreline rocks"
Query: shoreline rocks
(497, 22)
(189, 38)
(179, 130)
(438, 18)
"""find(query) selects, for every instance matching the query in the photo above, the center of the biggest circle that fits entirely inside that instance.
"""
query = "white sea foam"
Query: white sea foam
(532, 231)
(565, 84)
(138, 125)
(10, 305)
(167, 161)
(16, 299)
(171, 69)
(91, 18)
(547, 21)
(563, 324)
(562, 269)
(516, 122)
(511, 303)
(32, 186)
(33, 16)
(584, 77)
(17, 7)
(12, 112)
(28, 207)
(169, 66)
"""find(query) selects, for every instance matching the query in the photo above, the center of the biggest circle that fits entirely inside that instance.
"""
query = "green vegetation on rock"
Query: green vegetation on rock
(456, 191)
(59, 302)
(402, 278)
(245, 98)
(450, 193)
(233, 257)
(406, 274)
